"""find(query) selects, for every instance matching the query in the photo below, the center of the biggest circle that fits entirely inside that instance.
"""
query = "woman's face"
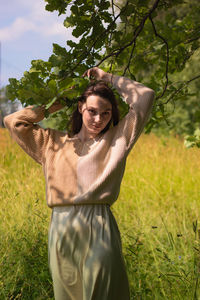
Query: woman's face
(96, 114)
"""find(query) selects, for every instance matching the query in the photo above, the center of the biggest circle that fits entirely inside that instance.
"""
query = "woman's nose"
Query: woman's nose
(97, 118)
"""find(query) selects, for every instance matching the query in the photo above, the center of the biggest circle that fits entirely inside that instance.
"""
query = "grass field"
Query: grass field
(157, 212)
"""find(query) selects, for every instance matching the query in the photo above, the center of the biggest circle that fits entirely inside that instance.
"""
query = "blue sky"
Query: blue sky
(27, 32)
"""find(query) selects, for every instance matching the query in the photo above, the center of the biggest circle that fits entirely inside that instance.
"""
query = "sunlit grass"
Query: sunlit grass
(157, 212)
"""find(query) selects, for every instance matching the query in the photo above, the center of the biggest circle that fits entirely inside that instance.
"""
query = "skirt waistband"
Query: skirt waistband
(76, 206)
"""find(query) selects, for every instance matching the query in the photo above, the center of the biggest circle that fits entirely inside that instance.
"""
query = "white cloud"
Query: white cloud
(27, 32)
(16, 29)
(37, 20)
(55, 29)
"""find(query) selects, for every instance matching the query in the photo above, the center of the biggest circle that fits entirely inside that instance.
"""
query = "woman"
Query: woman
(83, 176)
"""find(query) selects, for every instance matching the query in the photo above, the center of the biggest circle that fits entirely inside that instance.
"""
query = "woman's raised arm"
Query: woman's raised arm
(27, 133)
(136, 95)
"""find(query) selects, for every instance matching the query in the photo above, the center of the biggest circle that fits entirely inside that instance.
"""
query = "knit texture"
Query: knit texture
(79, 172)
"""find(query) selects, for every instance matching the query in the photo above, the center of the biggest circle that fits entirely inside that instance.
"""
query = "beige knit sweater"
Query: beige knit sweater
(79, 172)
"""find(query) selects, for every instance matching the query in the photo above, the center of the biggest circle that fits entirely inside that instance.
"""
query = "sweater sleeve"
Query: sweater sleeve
(140, 101)
(29, 135)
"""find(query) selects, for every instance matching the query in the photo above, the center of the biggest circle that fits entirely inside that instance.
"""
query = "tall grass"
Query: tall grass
(24, 219)
(157, 212)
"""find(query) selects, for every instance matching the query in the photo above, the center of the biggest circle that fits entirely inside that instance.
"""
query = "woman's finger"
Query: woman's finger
(91, 72)
(85, 73)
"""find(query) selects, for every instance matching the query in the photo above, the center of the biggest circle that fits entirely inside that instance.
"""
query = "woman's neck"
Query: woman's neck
(84, 135)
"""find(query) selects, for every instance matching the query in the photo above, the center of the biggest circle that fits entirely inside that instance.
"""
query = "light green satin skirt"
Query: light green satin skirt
(85, 256)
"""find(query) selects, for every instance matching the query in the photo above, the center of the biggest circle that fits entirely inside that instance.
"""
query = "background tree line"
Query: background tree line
(7, 106)
(155, 42)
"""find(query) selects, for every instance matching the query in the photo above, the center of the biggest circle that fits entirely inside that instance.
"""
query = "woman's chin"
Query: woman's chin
(95, 131)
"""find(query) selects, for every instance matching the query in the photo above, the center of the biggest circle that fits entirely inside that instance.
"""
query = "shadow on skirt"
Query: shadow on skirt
(85, 254)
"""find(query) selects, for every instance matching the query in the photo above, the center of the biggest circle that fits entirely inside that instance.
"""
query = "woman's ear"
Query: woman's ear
(80, 105)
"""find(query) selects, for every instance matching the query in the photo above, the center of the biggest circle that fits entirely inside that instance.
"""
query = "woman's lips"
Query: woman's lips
(97, 126)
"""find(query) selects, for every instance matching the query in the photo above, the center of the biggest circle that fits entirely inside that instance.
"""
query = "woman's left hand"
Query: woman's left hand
(97, 73)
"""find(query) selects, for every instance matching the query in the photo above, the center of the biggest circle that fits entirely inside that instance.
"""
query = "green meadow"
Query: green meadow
(157, 212)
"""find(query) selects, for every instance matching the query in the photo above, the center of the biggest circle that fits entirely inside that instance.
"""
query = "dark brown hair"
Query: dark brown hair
(100, 89)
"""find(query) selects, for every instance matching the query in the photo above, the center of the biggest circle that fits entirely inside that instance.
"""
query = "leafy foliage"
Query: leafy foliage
(194, 140)
(150, 41)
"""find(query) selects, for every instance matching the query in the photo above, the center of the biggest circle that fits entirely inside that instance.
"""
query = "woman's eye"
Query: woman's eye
(106, 113)
(92, 111)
